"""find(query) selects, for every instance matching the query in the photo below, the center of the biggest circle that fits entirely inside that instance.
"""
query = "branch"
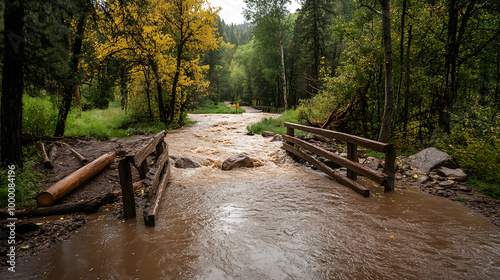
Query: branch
(372, 9)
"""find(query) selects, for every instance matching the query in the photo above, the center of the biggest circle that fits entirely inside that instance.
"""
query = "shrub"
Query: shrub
(474, 141)
(39, 115)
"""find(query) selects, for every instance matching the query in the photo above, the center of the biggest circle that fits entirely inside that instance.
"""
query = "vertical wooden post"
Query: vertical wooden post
(160, 148)
(290, 132)
(389, 167)
(127, 189)
(143, 169)
(352, 154)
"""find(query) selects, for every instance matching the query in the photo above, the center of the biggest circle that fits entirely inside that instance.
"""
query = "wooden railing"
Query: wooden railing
(155, 179)
(385, 178)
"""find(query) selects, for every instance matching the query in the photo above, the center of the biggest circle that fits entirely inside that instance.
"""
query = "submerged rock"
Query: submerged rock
(240, 160)
(186, 162)
(277, 138)
(267, 134)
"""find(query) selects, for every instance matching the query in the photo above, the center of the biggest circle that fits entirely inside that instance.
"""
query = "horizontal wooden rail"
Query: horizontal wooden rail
(351, 163)
(360, 141)
(153, 206)
(376, 176)
(321, 166)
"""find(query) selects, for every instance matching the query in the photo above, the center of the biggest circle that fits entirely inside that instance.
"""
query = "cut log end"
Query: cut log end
(44, 199)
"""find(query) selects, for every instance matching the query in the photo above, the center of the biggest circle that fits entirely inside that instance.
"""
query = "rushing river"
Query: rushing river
(279, 220)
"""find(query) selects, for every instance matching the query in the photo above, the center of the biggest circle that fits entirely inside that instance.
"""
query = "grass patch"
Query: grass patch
(375, 154)
(210, 107)
(460, 199)
(276, 125)
(106, 124)
(27, 186)
(490, 189)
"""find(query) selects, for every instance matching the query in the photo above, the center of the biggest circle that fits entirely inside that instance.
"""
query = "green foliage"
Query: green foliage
(474, 142)
(491, 189)
(39, 115)
(275, 125)
(27, 183)
(98, 95)
(210, 107)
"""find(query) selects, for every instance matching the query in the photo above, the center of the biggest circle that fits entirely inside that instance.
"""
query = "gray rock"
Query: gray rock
(240, 160)
(428, 159)
(453, 174)
(277, 138)
(373, 163)
(267, 134)
(422, 179)
(186, 162)
(361, 153)
(447, 183)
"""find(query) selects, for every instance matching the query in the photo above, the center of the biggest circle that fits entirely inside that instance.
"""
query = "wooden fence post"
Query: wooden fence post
(389, 167)
(127, 189)
(352, 154)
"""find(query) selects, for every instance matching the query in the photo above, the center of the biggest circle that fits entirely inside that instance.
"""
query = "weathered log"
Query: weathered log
(46, 160)
(89, 206)
(74, 180)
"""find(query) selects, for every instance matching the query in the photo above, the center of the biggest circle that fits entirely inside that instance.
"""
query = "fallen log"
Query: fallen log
(89, 206)
(74, 180)
(52, 152)
(77, 154)
(46, 160)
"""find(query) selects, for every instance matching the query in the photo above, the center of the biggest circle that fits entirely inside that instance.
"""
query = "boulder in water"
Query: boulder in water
(240, 160)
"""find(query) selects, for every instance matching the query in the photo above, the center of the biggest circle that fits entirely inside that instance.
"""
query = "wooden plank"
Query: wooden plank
(352, 154)
(321, 166)
(127, 189)
(145, 150)
(389, 168)
(74, 180)
(360, 141)
(378, 177)
(151, 213)
(154, 175)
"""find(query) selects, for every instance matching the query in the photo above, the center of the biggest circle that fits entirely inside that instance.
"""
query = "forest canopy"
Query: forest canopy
(429, 71)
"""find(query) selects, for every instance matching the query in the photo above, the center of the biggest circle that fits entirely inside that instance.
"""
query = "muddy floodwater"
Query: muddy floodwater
(279, 220)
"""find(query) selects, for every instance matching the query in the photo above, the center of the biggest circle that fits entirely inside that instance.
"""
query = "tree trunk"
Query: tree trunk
(161, 106)
(123, 88)
(176, 80)
(283, 70)
(385, 129)
(71, 86)
(451, 55)
(12, 84)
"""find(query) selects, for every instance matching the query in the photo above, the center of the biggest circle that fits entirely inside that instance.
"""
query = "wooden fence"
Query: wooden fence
(154, 179)
(385, 178)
